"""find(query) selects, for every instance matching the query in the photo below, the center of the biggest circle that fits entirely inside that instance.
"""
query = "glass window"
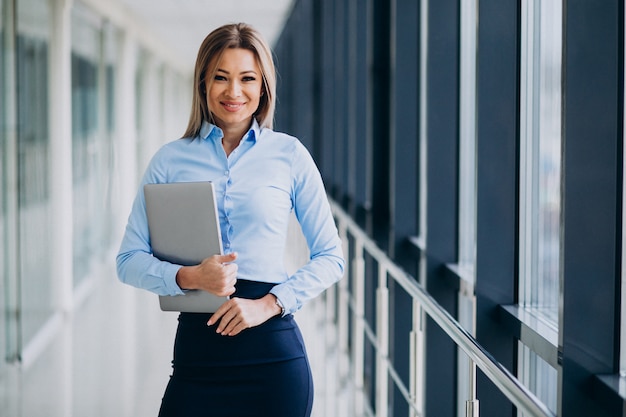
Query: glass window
(540, 174)
(142, 78)
(107, 128)
(467, 138)
(467, 190)
(538, 376)
(33, 17)
(87, 169)
(8, 336)
(540, 157)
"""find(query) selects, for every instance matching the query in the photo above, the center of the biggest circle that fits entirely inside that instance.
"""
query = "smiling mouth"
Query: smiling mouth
(232, 106)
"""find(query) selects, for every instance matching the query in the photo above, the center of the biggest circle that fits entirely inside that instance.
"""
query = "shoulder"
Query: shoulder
(166, 154)
(276, 138)
(175, 146)
(283, 142)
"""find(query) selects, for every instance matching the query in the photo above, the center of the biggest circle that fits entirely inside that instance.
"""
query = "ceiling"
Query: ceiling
(183, 24)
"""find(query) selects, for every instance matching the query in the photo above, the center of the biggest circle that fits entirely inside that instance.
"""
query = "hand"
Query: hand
(238, 314)
(216, 274)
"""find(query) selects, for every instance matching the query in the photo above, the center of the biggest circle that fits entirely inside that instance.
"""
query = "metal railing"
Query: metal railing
(343, 346)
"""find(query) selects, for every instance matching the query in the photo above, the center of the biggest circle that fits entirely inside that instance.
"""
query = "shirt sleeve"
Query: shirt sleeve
(135, 264)
(326, 264)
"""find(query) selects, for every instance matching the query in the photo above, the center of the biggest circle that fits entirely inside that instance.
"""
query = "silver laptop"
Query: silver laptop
(184, 229)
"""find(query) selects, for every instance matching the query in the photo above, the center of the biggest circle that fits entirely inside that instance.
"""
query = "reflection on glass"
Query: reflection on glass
(467, 139)
(540, 157)
(467, 191)
(33, 167)
(4, 240)
(108, 131)
(540, 167)
(539, 377)
(86, 162)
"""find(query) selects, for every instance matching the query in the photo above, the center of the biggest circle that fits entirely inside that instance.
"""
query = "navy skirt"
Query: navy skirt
(263, 371)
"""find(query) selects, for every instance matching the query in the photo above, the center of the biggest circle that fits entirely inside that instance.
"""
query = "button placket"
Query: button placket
(228, 206)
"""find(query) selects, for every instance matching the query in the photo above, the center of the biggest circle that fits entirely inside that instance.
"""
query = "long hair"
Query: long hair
(237, 35)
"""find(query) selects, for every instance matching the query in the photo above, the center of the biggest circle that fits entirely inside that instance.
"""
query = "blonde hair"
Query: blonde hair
(237, 35)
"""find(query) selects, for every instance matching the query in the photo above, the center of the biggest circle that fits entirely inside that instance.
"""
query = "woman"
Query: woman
(248, 358)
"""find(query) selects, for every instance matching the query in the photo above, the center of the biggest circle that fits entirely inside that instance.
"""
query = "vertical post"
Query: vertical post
(60, 177)
(417, 353)
(125, 109)
(382, 334)
(337, 330)
(60, 110)
(331, 346)
(471, 405)
(10, 186)
(9, 189)
(342, 335)
(125, 145)
(358, 336)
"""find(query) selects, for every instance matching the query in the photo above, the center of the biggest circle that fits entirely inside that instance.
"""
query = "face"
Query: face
(235, 92)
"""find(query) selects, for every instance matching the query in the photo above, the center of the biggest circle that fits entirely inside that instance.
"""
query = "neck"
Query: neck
(232, 136)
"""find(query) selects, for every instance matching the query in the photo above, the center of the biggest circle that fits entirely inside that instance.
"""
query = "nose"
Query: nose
(234, 89)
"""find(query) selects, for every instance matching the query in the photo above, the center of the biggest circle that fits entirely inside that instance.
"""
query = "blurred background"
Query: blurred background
(473, 154)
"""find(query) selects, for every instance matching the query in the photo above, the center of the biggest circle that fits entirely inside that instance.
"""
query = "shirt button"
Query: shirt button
(226, 173)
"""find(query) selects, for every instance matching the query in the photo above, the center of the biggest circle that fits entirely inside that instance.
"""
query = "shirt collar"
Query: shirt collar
(209, 130)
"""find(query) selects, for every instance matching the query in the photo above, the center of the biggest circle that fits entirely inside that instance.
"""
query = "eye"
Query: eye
(220, 78)
(248, 79)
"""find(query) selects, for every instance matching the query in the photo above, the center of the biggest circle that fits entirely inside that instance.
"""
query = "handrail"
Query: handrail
(506, 382)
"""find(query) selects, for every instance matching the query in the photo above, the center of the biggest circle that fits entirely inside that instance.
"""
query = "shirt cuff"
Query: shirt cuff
(286, 297)
(169, 278)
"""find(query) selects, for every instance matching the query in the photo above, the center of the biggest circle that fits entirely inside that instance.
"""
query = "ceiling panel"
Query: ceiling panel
(185, 23)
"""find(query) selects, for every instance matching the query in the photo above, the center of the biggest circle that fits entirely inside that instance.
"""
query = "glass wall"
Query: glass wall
(467, 190)
(33, 28)
(467, 136)
(64, 350)
(540, 175)
(110, 35)
(540, 155)
(88, 137)
(7, 141)
(3, 186)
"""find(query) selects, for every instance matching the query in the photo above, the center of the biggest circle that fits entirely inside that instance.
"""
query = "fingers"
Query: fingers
(230, 317)
(238, 314)
(226, 280)
(219, 274)
(225, 259)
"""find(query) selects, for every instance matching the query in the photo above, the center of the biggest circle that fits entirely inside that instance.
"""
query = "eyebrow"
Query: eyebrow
(241, 73)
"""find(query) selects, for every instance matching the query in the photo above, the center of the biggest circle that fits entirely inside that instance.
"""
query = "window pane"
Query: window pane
(107, 128)
(540, 161)
(88, 209)
(539, 377)
(33, 167)
(540, 167)
(467, 191)
(467, 138)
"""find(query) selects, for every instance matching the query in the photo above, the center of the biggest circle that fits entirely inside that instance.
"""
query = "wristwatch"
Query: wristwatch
(282, 308)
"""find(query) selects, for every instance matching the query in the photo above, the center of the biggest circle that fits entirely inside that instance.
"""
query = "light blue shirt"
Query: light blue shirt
(257, 186)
